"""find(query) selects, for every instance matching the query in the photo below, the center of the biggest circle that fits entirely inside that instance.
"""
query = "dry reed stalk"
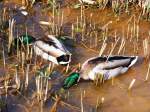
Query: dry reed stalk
(68, 105)
(91, 15)
(134, 26)
(83, 31)
(67, 68)
(137, 33)
(27, 76)
(54, 107)
(82, 107)
(106, 25)
(81, 12)
(53, 15)
(96, 39)
(102, 48)
(122, 45)
(112, 81)
(45, 23)
(128, 30)
(6, 86)
(10, 38)
(31, 54)
(38, 87)
(46, 90)
(62, 18)
(131, 84)
(99, 102)
(131, 36)
(147, 74)
(72, 33)
(33, 1)
(17, 79)
(146, 48)
(41, 88)
(4, 14)
(41, 106)
(22, 59)
(113, 48)
(4, 59)
(77, 23)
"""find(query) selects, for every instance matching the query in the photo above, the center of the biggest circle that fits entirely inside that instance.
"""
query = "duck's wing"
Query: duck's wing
(53, 40)
(111, 62)
(124, 61)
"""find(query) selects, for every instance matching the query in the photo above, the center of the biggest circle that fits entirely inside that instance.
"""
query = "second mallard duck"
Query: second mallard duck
(107, 67)
(48, 47)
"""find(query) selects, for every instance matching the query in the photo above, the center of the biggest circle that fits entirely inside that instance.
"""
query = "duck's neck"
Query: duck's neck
(25, 40)
(71, 80)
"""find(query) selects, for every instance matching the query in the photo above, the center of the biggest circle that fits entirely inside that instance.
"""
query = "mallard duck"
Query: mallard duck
(107, 67)
(49, 48)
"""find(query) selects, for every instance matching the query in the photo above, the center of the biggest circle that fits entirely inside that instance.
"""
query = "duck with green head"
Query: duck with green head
(48, 47)
(107, 67)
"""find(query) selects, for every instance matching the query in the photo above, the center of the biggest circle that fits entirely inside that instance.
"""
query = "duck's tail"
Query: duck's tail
(64, 59)
(133, 61)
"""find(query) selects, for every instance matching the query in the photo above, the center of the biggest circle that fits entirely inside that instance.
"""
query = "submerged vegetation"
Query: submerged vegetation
(103, 27)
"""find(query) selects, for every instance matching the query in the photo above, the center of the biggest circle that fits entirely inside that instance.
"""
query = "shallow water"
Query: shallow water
(116, 96)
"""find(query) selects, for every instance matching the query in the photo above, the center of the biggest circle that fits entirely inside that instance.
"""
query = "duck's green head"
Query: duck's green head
(71, 80)
(24, 39)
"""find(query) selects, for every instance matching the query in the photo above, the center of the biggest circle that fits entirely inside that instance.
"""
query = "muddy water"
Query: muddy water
(116, 96)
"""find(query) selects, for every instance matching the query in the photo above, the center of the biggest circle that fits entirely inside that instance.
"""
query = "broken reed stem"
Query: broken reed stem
(27, 76)
(17, 79)
(22, 59)
(10, 38)
(148, 70)
(72, 33)
(103, 47)
(128, 30)
(99, 102)
(112, 81)
(6, 86)
(137, 33)
(38, 87)
(121, 46)
(146, 48)
(131, 84)
(62, 18)
(46, 91)
(113, 48)
(82, 108)
(53, 14)
(4, 60)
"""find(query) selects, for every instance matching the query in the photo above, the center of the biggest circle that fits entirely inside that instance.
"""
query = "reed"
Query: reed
(146, 48)
(99, 103)
(46, 90)
(131, 84)
(10, 38)
(4, 60)
(111, 51)
(22, 59)
(17, 79)
(122, 45)
(27, 76)
(81, 99)
(102, 48)
(147, 74)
